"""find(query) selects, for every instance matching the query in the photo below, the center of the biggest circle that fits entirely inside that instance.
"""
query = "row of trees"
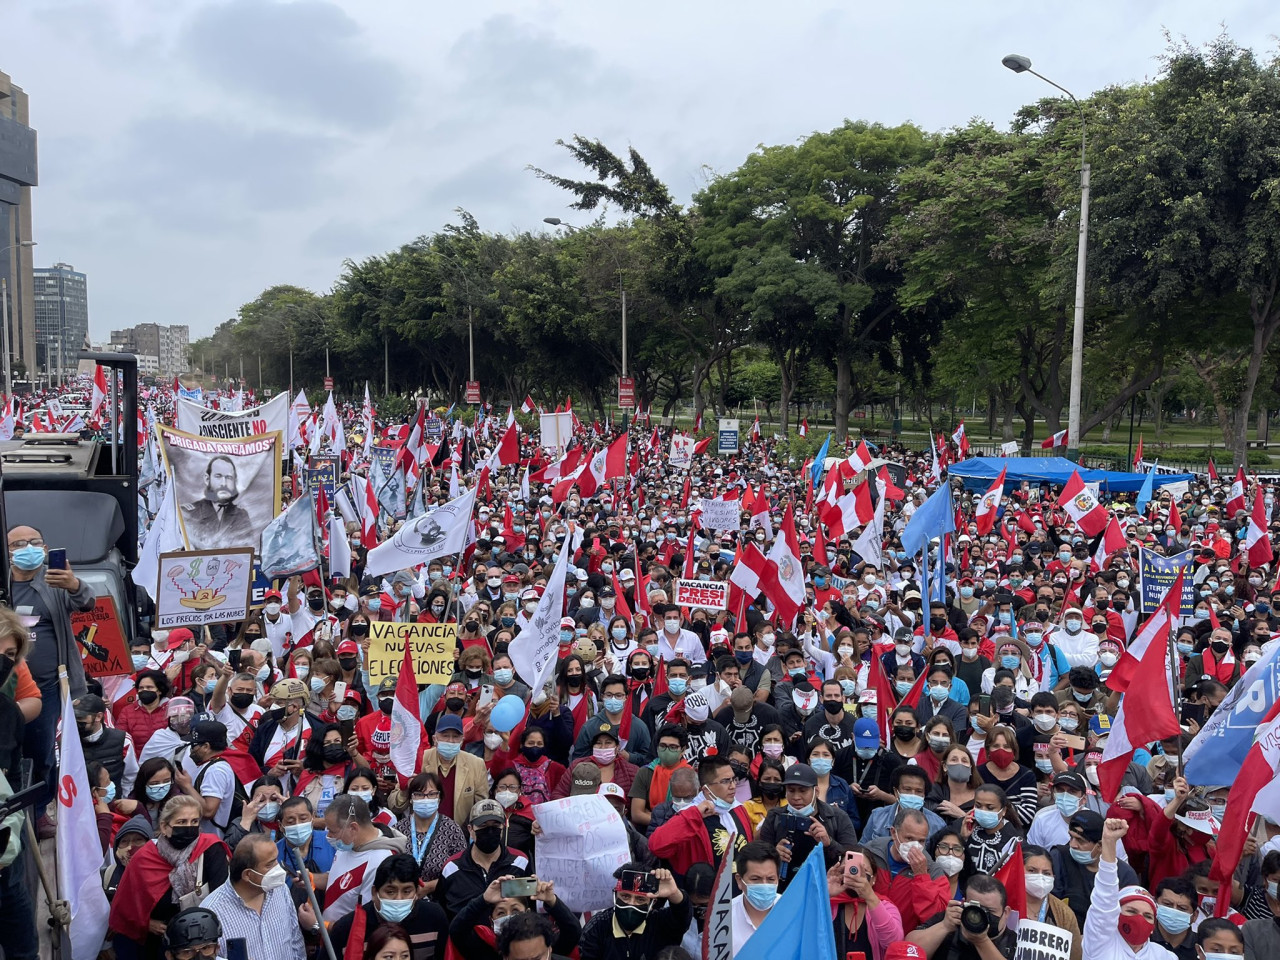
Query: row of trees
(867, 264)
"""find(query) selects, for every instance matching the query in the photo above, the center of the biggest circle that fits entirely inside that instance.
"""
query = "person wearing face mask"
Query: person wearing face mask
(487, 858)
(1216, 662)
(1120, 920)
(106, 745)
(652, 784)
(937, 702)
(1077, 644)
(298, 833)
(433, 838)
(1175, 908)
(485, 923)
(716, 823)
(145, 715)
(254, 903)
(233, 701)
(463, 776)
(361, 846)
(993, 827)
(1042, 905)
(396, 900)
(260, 814)
(161, 878)
(173, 739)
(633, 927)
(910, 788)
(1050, 826)
(829, 826)
(673, 640)
(905, 874)
(282, 733)
(617, 711)
(1076, 864)
(606, 755)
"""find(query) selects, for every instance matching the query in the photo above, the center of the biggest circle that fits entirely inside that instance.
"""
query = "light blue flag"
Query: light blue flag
(1148, 486)
(799, 925)
(820, 459)
(933, 518)
(938, 581)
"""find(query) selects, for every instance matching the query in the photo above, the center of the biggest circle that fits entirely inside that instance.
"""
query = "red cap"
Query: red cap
(902, 950)
(177, 637)
(348, 646)
(272, 595)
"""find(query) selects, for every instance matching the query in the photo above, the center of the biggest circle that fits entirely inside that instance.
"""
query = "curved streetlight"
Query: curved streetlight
(1020, 64)
(4, 314)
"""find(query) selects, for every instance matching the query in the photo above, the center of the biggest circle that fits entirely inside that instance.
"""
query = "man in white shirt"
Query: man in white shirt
(276, 622)
(757, 872)
(674, 642)
(212, 777)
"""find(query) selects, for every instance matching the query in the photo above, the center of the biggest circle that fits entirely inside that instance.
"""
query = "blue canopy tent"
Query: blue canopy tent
(979, 472)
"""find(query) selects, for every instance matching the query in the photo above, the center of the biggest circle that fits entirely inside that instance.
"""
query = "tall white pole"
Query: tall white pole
(4, 331)
(1077, 329)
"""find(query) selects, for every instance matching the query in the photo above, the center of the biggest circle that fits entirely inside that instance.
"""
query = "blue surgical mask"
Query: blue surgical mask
(1081, 856)
(269, 812)
(394, 911)
(910, 801)
(618, 633)
(939, 693)
(317, 684)
(298, 834)
(503, 676)
(448, 750)
(806, 811)
(761, 895)
(903, 686)
(614, 704)
(1185, 649)
(566, 636)
(987, 819)
(28, 557)
(140, 661)
(866, 753)
(820, 582)
(158, 791)
(1173, 920)
(374, 604)
(677, 685)
(111, 792)
(821, 766)
(1010, 661)
(210, 684)
(1067, 804)
(848, 688)
(426, 809)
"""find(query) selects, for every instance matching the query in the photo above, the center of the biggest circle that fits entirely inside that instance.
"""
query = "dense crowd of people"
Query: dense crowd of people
(243, 768)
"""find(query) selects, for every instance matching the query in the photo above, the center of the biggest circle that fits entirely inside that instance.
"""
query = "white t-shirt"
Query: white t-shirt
(216, 780)
(228, 717)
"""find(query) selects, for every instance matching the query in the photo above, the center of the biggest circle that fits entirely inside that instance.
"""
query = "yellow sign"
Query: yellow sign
(432, 645)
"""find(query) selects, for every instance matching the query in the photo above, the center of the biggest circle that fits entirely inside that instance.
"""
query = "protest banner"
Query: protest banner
(682, 451)
(98, 630)
(203, 586)
(556, 430)
(229, 425)
(229, 490)
(432, 429)
(1042, 941)
(720, 514)
(581, 844)
(727, 437)
(432, 645)
(1156, 575)
(708, 594)
(322, 471)
(717, 931)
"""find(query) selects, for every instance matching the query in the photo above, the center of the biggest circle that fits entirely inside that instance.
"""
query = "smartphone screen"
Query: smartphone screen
(58, 558)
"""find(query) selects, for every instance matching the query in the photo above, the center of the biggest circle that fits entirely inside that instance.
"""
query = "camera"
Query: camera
(976, 919)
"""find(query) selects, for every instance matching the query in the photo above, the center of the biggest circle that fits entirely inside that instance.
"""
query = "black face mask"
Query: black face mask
(315, 603)
(532, 754)
(640, 673)
(573, 681)
(183, 837)
(739, 769)
(1042, 616)
(333, 752)
(454, 704)
(348, 663)
(473, 673)
(905, 734)
(629, 917)
(772, 791)
(385, 705)
(359, 630)
(146, 697)
(833, 707)
(1220, 646)
(250, 637)
(488, 839)
(241, 700)
(938, 623)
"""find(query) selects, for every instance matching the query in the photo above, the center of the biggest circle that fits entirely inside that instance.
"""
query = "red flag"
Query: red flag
(1111, 543)
(985, 514)
(892, 491)
(1236, 500)
(508, 449)
(885, 695)
(1175, 518)
(620, 606)
(1257, 543)
(1213, 471)
(1012, 874)
(355, 936)
(820, 546)
(1137, 454)
(912, 697)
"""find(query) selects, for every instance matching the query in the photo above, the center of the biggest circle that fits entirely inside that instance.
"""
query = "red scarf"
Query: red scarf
(339, 769)
(143, 884)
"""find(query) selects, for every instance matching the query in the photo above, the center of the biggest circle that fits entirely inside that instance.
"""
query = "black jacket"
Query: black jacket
(470, 942)
(836, 822)
(665, 927)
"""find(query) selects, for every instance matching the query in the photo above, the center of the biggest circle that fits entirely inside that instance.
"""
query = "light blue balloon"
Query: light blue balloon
(506, 713)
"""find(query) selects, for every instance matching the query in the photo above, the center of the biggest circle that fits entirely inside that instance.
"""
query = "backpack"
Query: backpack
(239, 796)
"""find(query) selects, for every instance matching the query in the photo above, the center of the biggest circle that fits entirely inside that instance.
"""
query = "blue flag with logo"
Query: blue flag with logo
(799, 925)
(1148, 486)
(1214, 757)
(932, 518)
(820, 459)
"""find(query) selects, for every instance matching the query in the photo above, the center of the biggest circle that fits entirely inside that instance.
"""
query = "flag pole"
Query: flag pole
(305, 875)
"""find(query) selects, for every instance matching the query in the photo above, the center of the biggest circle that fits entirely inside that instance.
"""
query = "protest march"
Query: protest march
(461, 675)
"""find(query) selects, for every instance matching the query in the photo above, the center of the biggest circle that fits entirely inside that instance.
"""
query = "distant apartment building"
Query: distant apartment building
(17, 177)
(168, 345)
(62, 318)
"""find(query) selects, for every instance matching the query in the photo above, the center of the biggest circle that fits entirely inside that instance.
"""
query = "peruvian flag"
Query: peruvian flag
(750, 571)
(860, 459)
(528, 406)
(804, 427)
(1257, 544)
(562, 468)
(784, 584)
(508, 449)
(406, 723)
(1175, 518)
(1256, 789)
(609, 463)
(961, 440)
(1213, 471)
(1236, 500)
(755, 429)
(1146, 710)
(1112, 541)
(1137, 454)
(1059, 439)
(414, 450)
(985, 515)
(851, 511)
(99, 391)
(1082, 506)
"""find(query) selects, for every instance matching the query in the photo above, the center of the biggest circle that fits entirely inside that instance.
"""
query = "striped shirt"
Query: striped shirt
(273, 934)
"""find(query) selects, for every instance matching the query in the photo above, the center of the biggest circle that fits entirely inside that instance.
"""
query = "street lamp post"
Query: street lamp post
(1021, 64)
(4, 315)
(622, 292)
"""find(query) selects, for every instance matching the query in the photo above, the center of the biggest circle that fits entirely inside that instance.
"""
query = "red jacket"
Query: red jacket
(683, 840)
(134, 720)
(917, 898)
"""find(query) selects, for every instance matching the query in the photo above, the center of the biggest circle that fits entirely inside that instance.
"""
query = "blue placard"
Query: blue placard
(1156, 575)
(261, 584)
(323, 471)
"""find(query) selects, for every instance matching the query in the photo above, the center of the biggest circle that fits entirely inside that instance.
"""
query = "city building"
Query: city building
(17, 177)
(62, 319)
(167, 344)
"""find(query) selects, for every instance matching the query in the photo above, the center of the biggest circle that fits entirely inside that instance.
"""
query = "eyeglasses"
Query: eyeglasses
(944, 849)
(727, 782)
(19, 544)
(191, 953)
(425, 796)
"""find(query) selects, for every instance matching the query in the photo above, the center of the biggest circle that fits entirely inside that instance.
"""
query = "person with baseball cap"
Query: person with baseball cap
(1120, 919)
(281, 736)
(1076, 864)
(487, 857)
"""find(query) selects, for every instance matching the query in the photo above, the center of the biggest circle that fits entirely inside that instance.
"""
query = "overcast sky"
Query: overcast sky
(193, 153)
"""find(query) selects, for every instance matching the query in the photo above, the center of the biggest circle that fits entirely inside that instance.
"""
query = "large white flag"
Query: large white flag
(163, 536)
(439, 533)
(534, 650)
(333, 426)
(78, 879)
(366, 420)
(339, 549)
(869, 545)
(299, 412)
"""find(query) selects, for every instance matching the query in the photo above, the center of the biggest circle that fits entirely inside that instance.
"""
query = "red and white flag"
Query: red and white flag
(507, 452)
(1175, 518)
(697, 423)
(1257, 543)
(1112, 542)
(804, 427)
(1137, 454)
(860, 459)
(528, 406)
(1059, 439)
(99, 391)
(755, 429)
(784, 583)
(1213, 471)
(985, 514)
(1236, 500)
(851, 511)
(748, 574)
(1145, 713)
(78, 878)
(961, 440)
(406, 721)
(1082, 506)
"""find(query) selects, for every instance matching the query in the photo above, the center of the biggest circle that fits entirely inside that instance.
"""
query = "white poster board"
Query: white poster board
(708, 594)
(727, 437)
(203, 586)
(682, 451)
(557, 430)
(720, 514)
(1009, 449)
(233, 425)
(1042, 941)
(582, 843)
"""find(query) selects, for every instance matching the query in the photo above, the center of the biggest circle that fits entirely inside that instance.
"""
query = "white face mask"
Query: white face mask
(272, 609)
